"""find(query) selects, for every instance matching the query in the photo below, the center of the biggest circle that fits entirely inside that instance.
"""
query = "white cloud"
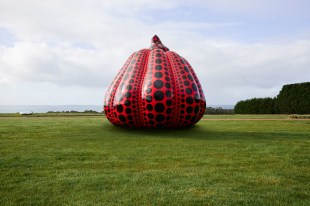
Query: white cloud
(241, 71)
(228, 71)
(71, 49)
(39, 62)
(49, 94)
(262, 8)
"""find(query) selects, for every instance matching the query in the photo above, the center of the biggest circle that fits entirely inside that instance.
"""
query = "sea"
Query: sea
(63, 108)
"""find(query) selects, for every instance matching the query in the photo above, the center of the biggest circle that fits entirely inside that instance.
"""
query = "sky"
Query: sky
(57, 52)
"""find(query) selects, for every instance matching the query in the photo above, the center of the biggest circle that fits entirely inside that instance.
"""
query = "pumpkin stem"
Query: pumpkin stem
(156, 44)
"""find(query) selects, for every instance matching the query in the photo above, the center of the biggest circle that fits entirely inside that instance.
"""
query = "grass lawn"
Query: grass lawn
(248, 116)
(83, 160)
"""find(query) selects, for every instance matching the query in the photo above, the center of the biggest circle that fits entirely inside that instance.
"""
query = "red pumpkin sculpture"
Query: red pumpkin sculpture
(155, 88)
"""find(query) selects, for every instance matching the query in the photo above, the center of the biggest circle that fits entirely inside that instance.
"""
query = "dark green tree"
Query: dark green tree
(294, 99)
(255, 106)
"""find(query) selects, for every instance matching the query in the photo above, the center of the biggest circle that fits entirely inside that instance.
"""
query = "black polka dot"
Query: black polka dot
(193, 119)
(189, 109)
(184, 77)
(183, 106)
(126, 77)
(158, 84)
(169, 102)
(119, 108)
(129, 87)
(128, 95)
(186, 83)
(131, 81)
(129, 68)
(158, 67)
(150, 115)
(190, 77)
(168, 93)
(189, 100)
(158, 95)
(167, 78)
(188, 117)
(149, 107)
(158, 61)
(186, 69)
(128, 111)
(168, 85)
(158, 55)
(127, 103)
(188, 91)
(196, 110)
(158, 75)
(149, 90)
(194, 86)
(122, 118)
(197, 98)
(159, 107)
(151, 122)
(129, 117)
(148, 98)
(168, 111)
(160, 118)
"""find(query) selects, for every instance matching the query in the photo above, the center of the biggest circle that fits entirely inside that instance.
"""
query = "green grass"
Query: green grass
(87, 161)
(248, 116)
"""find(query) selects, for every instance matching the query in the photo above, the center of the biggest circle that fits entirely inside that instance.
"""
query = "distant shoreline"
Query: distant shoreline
(63, 108)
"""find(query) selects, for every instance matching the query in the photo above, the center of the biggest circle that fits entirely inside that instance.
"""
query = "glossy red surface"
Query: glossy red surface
(155, 88)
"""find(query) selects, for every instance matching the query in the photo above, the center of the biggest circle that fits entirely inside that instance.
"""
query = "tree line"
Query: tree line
(292, 99)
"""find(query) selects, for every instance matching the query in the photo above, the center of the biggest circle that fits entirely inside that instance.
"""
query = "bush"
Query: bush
(294, 99)
(255, 106)
(297, 116)
(90, 111)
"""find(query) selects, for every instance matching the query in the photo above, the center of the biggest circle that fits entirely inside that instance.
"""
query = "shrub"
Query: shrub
(294, 99)
(255, 106)
(297, 116)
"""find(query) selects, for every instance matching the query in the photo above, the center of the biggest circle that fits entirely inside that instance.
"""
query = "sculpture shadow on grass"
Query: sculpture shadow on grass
(196, 131)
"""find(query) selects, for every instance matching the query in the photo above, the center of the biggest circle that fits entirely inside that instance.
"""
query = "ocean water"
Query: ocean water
(47, 108)
(60, 108)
